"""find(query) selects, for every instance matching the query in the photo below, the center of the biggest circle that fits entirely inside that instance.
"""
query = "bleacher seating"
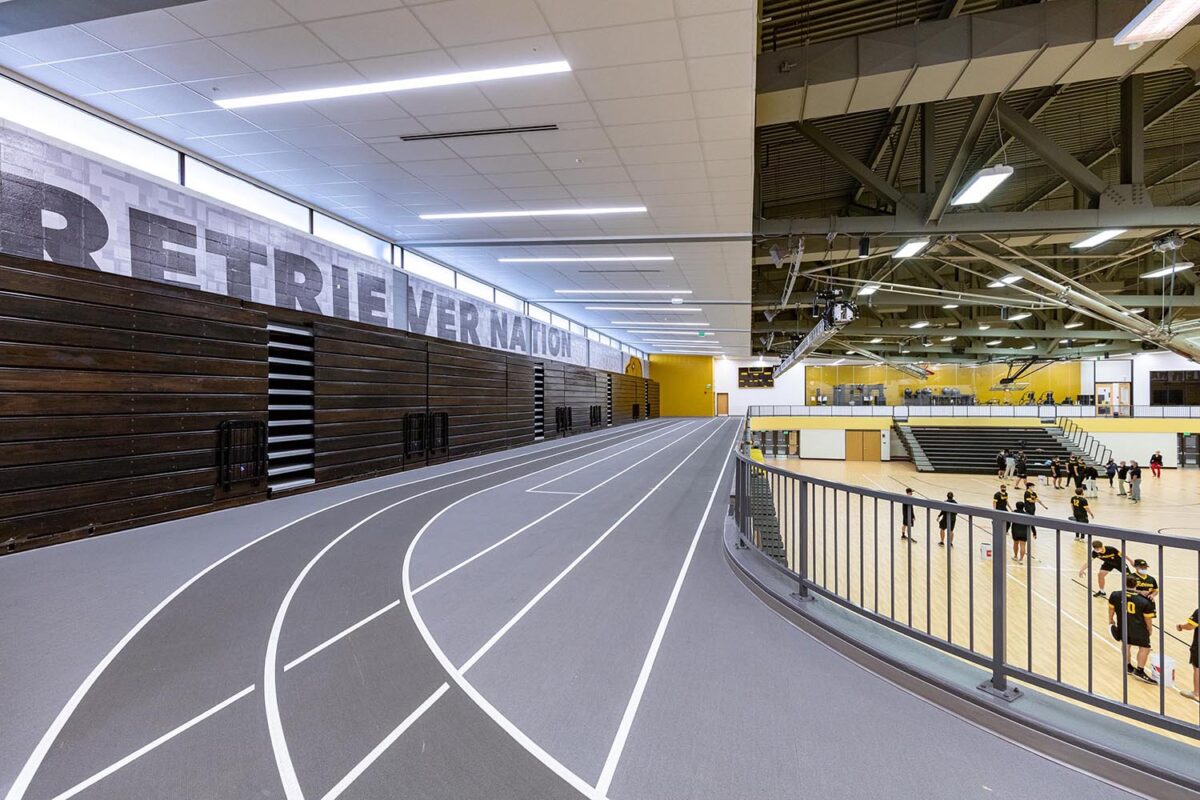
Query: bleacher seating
(974, 449)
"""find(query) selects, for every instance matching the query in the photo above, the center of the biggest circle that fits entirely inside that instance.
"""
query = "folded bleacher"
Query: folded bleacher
(974, 450)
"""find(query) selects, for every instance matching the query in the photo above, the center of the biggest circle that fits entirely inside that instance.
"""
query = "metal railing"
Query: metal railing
(1002, 412)
(1090, 445)
(1036, 621)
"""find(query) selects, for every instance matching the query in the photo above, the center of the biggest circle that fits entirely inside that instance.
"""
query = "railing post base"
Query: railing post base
(805, 597)
(1007, 694)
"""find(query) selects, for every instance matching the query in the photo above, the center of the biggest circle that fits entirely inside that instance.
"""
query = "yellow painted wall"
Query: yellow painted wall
(1062, 378)
(685, 384)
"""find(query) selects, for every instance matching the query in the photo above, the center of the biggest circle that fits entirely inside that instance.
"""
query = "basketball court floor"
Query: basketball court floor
(1055, 626)
(557, 621)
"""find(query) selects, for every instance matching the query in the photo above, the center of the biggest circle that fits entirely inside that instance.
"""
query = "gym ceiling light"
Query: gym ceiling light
(540, 212)
(869, 289)
(623, 324)
(1098, 238)
(655, 310)
(1018, 317)
(983, 183)
(922, 323)
(1070, 325)
(402, 85)
(1159, 20)
(950, 306)
(911, 248)
(876, 340)
(1007, 280)
(622, 291)
(579, 260)
(1182, 266)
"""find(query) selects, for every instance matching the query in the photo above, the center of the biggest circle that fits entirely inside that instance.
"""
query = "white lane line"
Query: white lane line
(21, 785)
(549, 513)
(382, 747)
(639, 688)
(498, 635)
(279, 747)
(519, 736)
(339, 636)
(166, 737)
(546, 491)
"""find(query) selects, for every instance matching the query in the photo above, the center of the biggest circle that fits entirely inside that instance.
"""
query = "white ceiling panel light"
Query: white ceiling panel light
(876, 340)
(538, 212)
(655, 310)
(584, 260)
(673, 333)
(401, 85)
(981, 185)
(922, 323)
(1020, 316)
(1182, 266)
(1070, 325)
(1029, 347)
(992, 343)
(622, 291)
(678, 343)
(1098, 238)
(911, 248)
(1007, 280)
(1159, 20)
(949, 306)
(869, 289)
(620, 324)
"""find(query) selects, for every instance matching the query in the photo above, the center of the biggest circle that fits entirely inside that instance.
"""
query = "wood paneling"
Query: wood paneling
(628, 391)
(471, 385)
(654, 393)
(111, 392)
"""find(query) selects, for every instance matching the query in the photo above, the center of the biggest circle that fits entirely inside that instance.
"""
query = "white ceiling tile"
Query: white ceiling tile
(250, 143)
(11, 57)
(172, 99)
(308, 10)
(219, 17)
(514, 180)
(211, 123)
(278, 48)
(316, 76)
(144, 29)
(283, 117)
(447, 100)
(637, 80)
(467, 121)
(662, 153)
(116, 105)
(318, 136)
(383, 33)
(690, 186)
(473, 190)
(691, 8)
(545, 115)
(626, 44)
(495, 165)
(721, 72)
(191, 61)
(573, 15)
(667, 172)
(112, 72)
(449, 167)
(566, 140)
(717, 34)
(717, 128)
(727, 149)
(234, 86)
(304, 177)
(723, 102)
(578, 177)
(661, 108)
(731, 183)
(385, 129)
(653, 133)
(58, 44)
(528, 193)
(405, 152)
(734, 166)
(480, 146)
(359, 109)
(459, 22)
(506, 52)
(55, 78)
(579, 159)
(290, 159)
(406, 65)
(166, 128)
(347, 155)
(543, 90)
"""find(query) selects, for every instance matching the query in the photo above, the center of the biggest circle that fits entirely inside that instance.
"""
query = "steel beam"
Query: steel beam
(1133, 130)
(928, 148)
(962, 155)
(864, 174)
(1053, 154)
(881, 146)
(906, 129)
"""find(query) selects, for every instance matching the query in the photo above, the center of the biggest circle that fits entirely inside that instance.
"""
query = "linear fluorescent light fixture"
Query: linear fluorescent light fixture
(920, 324)
(981, 185)
(401, 85)
(949, 338)
(678, 343)
(1182, 266)
(992, 343)
(983, 326)
(1007, 280)
(622, 291)
(1029, 347)
(655, 310)
(581, 260)
(539, 212)
(949, 306)
(911, 248)
(869, 289)
(622, 324)
(1098, 238)
(672, 333)
(1076, 324)
(1020, 316)
(876, 340)
(1159, 20)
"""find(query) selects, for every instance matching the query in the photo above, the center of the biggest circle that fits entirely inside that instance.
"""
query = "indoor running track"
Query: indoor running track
(551, 622)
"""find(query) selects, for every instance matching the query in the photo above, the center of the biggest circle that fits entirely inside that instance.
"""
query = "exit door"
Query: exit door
(1189, 449)
(722, 404)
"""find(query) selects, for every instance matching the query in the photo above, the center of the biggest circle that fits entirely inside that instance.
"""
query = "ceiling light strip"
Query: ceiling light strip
(583, 259)
(539, 212)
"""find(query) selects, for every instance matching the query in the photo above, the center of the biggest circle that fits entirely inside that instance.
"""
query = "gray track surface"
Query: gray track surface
(739, 704)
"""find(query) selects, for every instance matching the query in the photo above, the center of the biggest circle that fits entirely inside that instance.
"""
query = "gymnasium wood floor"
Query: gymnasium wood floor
(859, 555)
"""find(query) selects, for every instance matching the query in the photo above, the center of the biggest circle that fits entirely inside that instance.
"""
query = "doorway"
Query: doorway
(1189, 449)
(722, 404)
(862, 446)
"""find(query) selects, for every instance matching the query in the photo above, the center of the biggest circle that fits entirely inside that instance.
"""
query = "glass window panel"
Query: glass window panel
(576, 328)
(560, 322)
(425, 268)
(351, 238)
(508, 301)
(591, 334)
(44, 114)
(539, 313)
(475, 288)
(234, 191)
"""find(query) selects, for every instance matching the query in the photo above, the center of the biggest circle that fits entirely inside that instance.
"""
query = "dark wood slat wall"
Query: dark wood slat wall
(111, 391)
(655, 394)
(366, 381)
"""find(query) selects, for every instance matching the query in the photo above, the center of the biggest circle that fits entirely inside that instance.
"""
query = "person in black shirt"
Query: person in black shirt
(1031, 495)
(1110, 558)
(1139, 617)
(1022, 466)
(1055, 473)
(1110, 469)
(1080, 511)
(907, 516)
(1001, 463)
(1193, 624)
(1146, 583)
(1089, 478)
(1000, 502)
(1156, 462)
(946, 521)
(1135, 482)
(1077, 473)
(1020, 534)
(1122, 475)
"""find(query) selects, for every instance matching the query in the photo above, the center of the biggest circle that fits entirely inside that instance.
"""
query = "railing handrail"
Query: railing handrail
(1058, 412)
